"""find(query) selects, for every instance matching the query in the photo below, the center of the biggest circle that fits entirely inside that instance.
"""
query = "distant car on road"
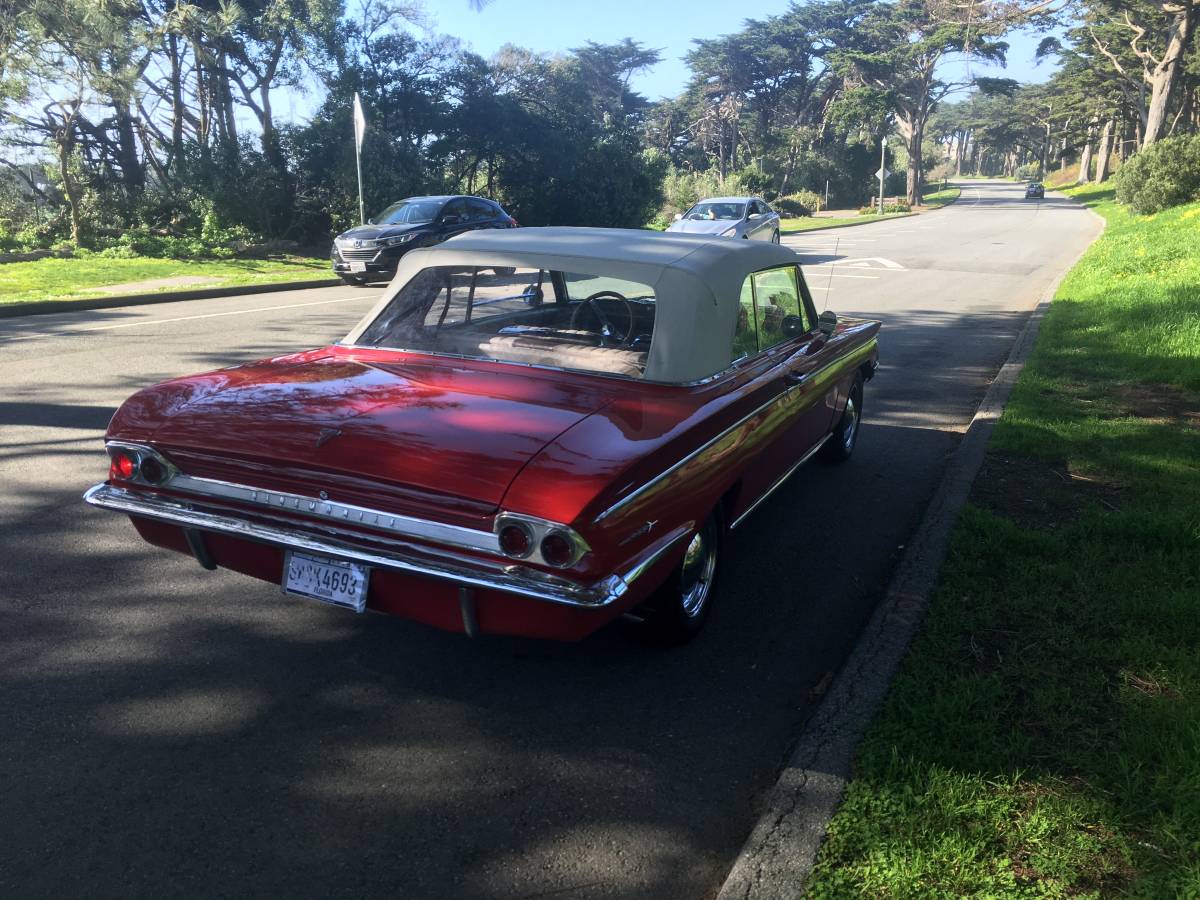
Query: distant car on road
(737, 217)
(1035, 191)
(371, 252)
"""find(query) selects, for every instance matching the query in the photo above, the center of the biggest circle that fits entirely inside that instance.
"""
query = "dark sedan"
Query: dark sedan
(1035, 192)
(371, 252)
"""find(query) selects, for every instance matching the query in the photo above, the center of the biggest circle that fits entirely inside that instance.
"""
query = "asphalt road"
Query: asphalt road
(172, 732)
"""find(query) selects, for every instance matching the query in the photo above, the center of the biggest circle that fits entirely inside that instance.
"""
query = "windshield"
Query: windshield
(410, 212)
(714, 211)
(565, 320)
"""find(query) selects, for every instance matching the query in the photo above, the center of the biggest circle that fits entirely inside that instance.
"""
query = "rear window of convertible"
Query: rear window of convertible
(565, 320)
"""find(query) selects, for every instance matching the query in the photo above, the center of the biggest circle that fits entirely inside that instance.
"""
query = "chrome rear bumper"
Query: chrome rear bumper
(459, 570)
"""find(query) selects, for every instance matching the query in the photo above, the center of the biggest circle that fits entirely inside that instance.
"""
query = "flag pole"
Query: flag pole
(360, 127)
(362, 215)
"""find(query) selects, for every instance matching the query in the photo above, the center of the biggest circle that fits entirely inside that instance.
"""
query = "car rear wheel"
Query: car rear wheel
(679, 609)
(841, 443)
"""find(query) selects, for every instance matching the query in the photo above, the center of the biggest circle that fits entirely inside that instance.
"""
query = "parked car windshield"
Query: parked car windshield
(714, 211)
(410, 212)
(566, 320)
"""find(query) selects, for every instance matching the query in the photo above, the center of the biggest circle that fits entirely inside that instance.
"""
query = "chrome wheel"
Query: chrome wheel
(696, 573)
(850, 427)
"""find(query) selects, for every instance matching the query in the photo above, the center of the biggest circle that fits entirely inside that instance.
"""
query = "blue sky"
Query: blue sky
(553, 25)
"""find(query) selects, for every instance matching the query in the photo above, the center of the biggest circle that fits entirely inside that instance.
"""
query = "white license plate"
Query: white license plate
(358, 266)
(328, 580)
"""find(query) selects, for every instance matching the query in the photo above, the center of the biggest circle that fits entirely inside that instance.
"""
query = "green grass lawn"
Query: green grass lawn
(938, 199)
(1043, 738)
(932, 200)
(59, 279)
(815, 223)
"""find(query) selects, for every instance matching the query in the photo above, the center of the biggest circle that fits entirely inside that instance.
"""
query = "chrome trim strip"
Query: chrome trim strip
(851, 360)
(392, 523)
(779, 481)
(484, 574)
(680, 534)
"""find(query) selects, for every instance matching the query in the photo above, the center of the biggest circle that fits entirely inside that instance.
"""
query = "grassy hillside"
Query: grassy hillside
(1043, 738)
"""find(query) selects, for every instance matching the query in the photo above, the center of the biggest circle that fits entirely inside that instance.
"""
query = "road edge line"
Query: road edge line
(777, 858)
(48, 307)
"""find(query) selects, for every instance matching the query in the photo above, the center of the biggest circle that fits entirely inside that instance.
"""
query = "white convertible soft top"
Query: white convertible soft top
(697, 281)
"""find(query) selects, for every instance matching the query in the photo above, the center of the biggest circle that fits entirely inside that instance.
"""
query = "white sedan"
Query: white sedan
(736, 217)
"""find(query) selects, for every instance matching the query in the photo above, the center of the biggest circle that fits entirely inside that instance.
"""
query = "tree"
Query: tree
(908, 42)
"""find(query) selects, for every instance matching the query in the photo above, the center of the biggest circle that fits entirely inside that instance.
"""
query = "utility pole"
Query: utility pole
(882, 172)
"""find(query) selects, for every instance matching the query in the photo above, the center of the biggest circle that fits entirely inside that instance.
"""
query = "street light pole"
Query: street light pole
(882, 147)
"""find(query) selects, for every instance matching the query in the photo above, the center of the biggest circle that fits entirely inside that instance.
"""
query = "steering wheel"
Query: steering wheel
(606, 326)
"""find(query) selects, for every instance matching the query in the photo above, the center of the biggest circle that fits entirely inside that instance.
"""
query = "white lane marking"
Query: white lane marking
(833, 274)
(870, 262)
(844, 243)
(232, 312)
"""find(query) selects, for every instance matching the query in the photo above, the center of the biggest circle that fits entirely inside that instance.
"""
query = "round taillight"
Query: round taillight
(516, 540)
(152, 471)
(557, 549)
(122, 466)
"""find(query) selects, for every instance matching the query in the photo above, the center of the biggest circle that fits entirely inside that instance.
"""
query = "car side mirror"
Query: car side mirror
(678, 216)
(827, 322)
(792, 326)
(451, 220)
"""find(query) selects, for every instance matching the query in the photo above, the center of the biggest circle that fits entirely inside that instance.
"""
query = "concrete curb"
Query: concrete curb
(778, 857)
(45, 307)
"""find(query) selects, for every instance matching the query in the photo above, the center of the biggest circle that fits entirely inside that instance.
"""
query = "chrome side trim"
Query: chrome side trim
(680, 534)
(497, 575)
(779, 481)
(852, 360)
(392, 523)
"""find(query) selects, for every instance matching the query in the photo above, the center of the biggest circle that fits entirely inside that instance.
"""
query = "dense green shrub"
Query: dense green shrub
(1030, 170)
(873, 210)
(801, 203)
(1167, 173)
(682, 188)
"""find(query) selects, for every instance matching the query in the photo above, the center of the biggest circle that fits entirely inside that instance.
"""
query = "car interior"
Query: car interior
(533, 316)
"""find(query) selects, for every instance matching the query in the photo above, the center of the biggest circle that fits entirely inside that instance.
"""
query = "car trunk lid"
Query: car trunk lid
(429, 432)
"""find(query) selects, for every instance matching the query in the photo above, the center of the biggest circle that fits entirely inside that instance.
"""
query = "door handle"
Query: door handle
(791, 376)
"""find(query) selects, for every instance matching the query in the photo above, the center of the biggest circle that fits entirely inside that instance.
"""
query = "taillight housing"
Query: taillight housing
(122, 466)
(138, 464)
(539, 541)
(516, 540)
(557, 548)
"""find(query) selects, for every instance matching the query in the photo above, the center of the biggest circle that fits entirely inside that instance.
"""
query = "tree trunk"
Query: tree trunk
(911, 129)
(66, 143)
(1163, 76)
(1104, 150)
(1085, 160)
(202, 100)
(177, 111)
(133, 174)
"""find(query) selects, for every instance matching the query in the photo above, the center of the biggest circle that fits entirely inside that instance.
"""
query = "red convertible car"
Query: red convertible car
(533, 432)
